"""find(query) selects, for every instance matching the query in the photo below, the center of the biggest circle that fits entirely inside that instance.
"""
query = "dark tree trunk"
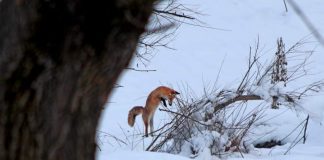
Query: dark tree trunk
(58, 62)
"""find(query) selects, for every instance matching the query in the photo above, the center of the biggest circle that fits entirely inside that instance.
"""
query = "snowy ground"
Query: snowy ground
(200, 54)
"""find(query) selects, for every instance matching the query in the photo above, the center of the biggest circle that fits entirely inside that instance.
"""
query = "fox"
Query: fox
(160, 94)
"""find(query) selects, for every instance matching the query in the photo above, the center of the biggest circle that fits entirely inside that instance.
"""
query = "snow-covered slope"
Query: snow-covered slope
(200, 54)
(143, 155)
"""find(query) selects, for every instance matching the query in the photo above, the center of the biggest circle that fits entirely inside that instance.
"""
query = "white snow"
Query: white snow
(121, 155)
(200, 54)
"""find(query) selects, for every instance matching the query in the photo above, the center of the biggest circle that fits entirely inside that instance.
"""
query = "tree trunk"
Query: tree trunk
(59, 60)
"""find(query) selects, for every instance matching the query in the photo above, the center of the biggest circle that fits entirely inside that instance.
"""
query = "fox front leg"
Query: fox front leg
(163, 101)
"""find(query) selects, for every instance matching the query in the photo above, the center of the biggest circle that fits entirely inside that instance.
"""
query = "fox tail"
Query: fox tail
(133, 113)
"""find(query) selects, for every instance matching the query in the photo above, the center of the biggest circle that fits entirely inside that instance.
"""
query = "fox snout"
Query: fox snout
(172, 96)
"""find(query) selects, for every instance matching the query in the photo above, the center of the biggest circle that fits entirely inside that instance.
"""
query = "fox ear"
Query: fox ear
(175, 92)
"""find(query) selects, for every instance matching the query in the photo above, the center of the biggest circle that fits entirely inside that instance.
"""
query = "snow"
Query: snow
(314, 108)
(300, 152)
(201, 54)
(120, 155)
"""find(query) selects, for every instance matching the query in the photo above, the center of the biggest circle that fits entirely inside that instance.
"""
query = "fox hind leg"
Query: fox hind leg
(146, 123)
(151, 126)
(146, 128)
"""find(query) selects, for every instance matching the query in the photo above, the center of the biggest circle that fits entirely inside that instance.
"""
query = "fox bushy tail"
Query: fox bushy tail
(133, 113)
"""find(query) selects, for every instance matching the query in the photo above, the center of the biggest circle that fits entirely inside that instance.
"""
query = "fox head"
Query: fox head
(170, 96)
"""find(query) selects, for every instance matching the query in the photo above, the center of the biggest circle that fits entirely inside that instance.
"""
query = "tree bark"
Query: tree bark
(58, 62)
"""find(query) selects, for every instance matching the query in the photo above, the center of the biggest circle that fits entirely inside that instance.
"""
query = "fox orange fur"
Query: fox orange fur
(161, 93)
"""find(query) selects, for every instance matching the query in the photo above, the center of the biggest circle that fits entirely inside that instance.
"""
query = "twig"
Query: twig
(160, 134)
(112, 136)
(118, 86)
(98, 147)
(307, 22)
(285, 5)
(305, 129)
(174, 14)
(295, 141)
(160, 29)
(292, 131)
(185, 116)
(141, 70)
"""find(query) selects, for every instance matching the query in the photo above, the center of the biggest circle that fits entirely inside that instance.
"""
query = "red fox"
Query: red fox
(161, 93)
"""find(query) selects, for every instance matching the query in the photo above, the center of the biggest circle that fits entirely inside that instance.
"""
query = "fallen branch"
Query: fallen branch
(238, 98)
